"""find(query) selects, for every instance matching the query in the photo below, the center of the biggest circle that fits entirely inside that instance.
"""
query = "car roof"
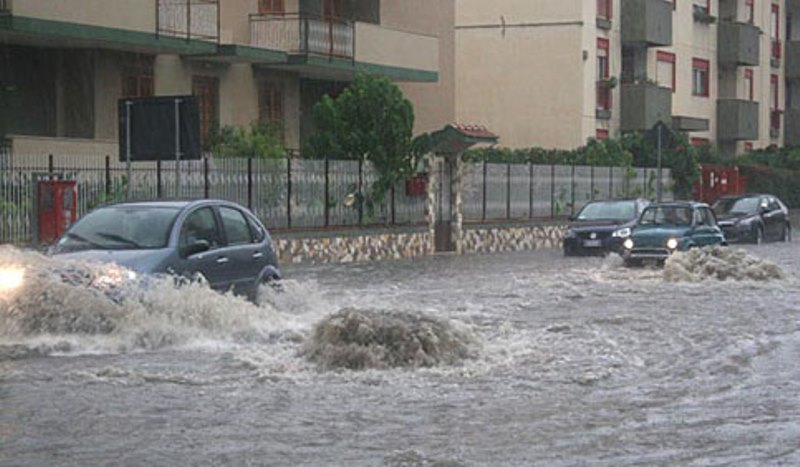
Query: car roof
(174, 203)
(681, 204)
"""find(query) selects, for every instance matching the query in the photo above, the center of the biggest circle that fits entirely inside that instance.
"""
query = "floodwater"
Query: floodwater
(514, 359)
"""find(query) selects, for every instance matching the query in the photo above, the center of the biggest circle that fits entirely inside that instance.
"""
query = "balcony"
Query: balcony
(737, 120)
(793, 60)
(303, 34)
(738, 44)
(133, 15)
(792, 133)
(647, 22)
(643, 105)
(605, 14)
(189, 19)
(398, 54)
(776, 52)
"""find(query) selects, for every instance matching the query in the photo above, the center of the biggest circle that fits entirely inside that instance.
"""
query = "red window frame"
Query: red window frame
(773, 83)
(604, 92)
(605, 9)
(601, 134)
(700, 142)
(271, 7)
(748, 146)
(749, 79)
(704, 65)
(775, 22)
(669, 58)
(751, 10)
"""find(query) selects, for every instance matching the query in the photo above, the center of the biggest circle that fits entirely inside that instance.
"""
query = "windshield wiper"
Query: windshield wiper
(83, 239)
(119, 238)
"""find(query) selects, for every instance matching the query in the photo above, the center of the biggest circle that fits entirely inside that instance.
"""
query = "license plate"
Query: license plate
(592, 243)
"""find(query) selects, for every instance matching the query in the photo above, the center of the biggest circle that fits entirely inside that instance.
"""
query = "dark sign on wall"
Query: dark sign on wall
(159, 128)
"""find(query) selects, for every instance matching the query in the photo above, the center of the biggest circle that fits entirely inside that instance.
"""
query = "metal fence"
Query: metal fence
(517, 191)
(301, 194)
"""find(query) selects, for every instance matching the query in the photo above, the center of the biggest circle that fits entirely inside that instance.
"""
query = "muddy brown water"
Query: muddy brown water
(575, 361)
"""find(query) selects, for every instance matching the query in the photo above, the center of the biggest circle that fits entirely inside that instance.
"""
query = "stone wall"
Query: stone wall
(512, 237)
(352, 246)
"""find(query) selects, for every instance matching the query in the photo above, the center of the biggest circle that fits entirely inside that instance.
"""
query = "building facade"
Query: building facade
(554, 73)
(64, 65)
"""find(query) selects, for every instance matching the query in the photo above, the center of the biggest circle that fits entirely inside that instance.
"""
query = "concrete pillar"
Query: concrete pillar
(456, 202)
(430, 202)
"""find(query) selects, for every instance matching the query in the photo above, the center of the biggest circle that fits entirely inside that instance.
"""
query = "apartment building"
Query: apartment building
(64, 64)
(553, 73)
(792, 94)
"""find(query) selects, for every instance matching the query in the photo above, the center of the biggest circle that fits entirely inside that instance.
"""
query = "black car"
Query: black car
(753, 218)
(222, 241)
(601, 226)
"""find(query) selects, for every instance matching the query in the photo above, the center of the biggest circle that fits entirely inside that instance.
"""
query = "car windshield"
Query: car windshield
(121, 228)
(608, 210)
(734, 206)
(667, 215)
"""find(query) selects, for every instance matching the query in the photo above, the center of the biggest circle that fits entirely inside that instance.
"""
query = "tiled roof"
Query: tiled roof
(474, 131)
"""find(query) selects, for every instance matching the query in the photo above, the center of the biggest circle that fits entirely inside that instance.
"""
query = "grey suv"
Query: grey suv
(222, 241)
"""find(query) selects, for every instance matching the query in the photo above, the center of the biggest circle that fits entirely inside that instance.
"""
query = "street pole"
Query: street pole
(658, 172)
(128, 170)
(178, 148)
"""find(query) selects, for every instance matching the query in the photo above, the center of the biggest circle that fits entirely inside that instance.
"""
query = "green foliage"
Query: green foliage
(630, 150)
(372, 121)
(781, 182)
(262, 141)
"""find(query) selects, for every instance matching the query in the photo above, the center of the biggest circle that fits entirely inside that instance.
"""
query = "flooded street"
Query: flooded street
(556, 362)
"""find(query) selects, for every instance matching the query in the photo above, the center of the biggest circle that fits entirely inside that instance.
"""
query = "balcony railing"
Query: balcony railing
(299, 33)
(189, 19)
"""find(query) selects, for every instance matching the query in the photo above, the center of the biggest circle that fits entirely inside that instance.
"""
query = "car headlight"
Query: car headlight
(622, 233)
(11, 278)
(672, 244)
(628, 244)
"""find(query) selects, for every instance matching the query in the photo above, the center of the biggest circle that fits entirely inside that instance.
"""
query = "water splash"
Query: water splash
(360, 339)
(719, 263)
(73, 307)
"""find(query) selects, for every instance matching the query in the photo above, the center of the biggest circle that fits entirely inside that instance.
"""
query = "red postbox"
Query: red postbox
(56, 208)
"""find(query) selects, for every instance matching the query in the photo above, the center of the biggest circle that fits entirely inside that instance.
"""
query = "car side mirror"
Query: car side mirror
(198, 246)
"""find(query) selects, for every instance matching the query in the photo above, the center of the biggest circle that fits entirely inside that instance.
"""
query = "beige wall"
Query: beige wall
(136, 15)
(525, 81)
(589, 122)
(391, 47)
(434, 103)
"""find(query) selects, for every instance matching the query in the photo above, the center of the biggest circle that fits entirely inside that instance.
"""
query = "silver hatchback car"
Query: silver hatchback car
(222, 241)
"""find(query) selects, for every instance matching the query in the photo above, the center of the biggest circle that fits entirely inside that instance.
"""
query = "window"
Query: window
(603, 72)
(601, 134)
(708, 217)
(137, 77)
(271, 7)
(665, 69)
(332, 9)
(237, 230)
(775, 31)
(207, 91)
(749, 11)
(256, 230)
(700, 142)
(200, 225)
(702, 6)
(700, 77)
(270, 105)
(748, 84)
(748, 147)
(604, 9)
(773, 92)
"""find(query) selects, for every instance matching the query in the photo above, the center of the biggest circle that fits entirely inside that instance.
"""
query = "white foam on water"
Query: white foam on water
(719, 263)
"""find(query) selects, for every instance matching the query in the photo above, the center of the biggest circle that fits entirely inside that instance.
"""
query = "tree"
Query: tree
(372, 121)
(262, 141)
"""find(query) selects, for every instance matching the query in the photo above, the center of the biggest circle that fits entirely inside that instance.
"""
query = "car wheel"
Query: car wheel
(758, 236)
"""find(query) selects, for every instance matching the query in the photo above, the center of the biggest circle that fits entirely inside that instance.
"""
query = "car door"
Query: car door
(774, 219)
(202, 225)
(245, 257)
(703, 230)
(715, 234)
